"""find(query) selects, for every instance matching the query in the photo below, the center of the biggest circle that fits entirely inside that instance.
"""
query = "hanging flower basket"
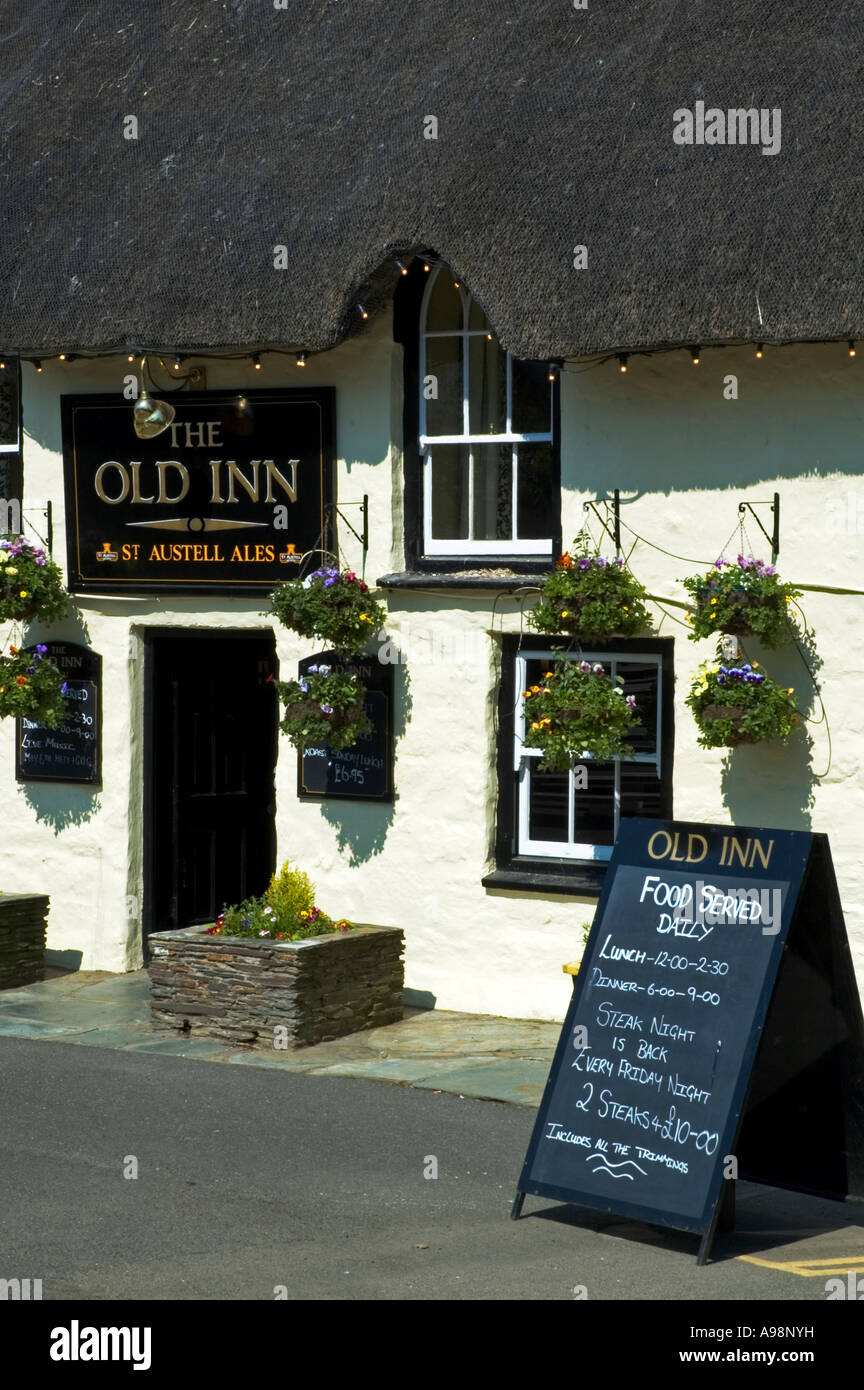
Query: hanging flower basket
(577, 712)
(31, 687)
(323, 706)
(590, 596)
(740, 704)
(747, 599)
(31, 585)
(332, 606)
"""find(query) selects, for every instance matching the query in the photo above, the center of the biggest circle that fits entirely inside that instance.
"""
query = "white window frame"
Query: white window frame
(469, 546)
(524, 756)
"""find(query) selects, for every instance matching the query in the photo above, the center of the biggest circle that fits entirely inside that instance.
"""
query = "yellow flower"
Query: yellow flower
(23, 593)
(689, 619)
(788, 599)
(535, 690)
(535, 726)
(713, 600)
(755, 664)
(626, 609)
(526, 694)
(565, 614)
(364, 619)
(547, 675)
(790, 690)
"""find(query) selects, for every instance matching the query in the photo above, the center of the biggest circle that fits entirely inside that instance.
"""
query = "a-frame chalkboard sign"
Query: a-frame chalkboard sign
(715, 1030)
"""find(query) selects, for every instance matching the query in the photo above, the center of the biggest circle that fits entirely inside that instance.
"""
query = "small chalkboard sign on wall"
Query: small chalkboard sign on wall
(363, 772)
(715, 1031)
(73, 751)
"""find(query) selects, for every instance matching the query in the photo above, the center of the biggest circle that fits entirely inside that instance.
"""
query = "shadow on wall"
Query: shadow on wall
(59, 805)
(772, 784)
(362, 827)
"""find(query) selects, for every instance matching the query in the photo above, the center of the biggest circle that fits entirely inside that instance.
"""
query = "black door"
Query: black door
(213, 723)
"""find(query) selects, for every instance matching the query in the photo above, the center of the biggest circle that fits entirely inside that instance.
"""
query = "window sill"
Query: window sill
(583, 880)
(497, 579)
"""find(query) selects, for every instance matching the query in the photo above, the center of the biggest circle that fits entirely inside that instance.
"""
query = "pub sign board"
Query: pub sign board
(228, 498)
(649, 1085)
(73, 751)
(363, 772)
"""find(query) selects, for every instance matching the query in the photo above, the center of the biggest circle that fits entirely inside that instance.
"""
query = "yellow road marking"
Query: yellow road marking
(811, 1269)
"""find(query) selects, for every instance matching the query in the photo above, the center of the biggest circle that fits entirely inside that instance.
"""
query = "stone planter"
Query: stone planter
(242, 990)
(22, 938)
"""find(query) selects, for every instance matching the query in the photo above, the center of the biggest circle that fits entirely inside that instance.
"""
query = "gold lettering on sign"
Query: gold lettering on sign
(273, 474)
(234, 473)
(98, 483)
(215, 470)
(746, 853)
(136, 484)
(660, 854)
(163, 480)
(668, 846)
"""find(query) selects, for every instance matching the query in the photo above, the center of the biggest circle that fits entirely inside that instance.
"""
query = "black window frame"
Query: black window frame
(407, 304)
(544, 873)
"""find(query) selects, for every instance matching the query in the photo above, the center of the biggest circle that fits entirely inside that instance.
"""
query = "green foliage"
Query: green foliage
(739, 704)
(31, 585)
(590, 596)
(745, 598)
(337, 608)
(290, 892)
(576, 712)
(31, 687)
(323, 706)
(285, 912)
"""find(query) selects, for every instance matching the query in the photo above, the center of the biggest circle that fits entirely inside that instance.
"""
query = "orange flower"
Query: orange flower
(20, 680)
(13, 650)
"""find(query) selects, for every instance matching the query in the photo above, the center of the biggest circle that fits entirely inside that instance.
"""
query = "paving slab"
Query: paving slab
(469, 1054)
(509, 1080)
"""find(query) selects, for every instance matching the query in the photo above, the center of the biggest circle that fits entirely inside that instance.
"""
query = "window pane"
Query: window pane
(493, 492)
(532, 397)
(487, 387)
(476, 316)
(536, 493)
(593, 810)
(444, 404)
(640, 679)
(449, 492)
(640, 790)
(444, 310)
(547, 806)
(9, 404)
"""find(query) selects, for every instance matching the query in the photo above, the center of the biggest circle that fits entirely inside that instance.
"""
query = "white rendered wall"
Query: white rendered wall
(683, 457)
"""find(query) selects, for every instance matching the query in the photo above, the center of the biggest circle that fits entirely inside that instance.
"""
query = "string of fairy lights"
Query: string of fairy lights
(302, 356)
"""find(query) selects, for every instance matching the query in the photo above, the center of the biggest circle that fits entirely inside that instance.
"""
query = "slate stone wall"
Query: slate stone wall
(242, 990)
(22, 938)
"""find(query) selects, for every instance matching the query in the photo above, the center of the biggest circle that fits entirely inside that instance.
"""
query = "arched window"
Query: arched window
(490, 481)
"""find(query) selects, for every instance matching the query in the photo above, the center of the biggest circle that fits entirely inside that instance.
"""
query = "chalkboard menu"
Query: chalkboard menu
(72, 752)
(649, 1084)
(363, 772)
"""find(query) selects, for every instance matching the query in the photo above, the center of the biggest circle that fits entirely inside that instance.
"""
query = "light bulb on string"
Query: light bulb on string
(622, 361)
(256, 362)
(851, 347)
(694, 356)
(301, 359)
(362, 312)
(759, 350)
(37, 364)
(402, 268)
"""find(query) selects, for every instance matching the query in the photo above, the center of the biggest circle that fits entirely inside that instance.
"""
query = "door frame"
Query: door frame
(150, 636)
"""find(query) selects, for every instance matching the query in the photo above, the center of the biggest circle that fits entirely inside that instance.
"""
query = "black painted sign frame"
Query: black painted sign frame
(82, 669)
(227, 500)
(354, 774)
(775, 1016)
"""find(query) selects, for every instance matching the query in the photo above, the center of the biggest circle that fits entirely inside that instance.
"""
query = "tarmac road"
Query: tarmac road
(254, 1178)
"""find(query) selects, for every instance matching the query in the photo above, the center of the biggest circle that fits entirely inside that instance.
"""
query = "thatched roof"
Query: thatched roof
(303, 127)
